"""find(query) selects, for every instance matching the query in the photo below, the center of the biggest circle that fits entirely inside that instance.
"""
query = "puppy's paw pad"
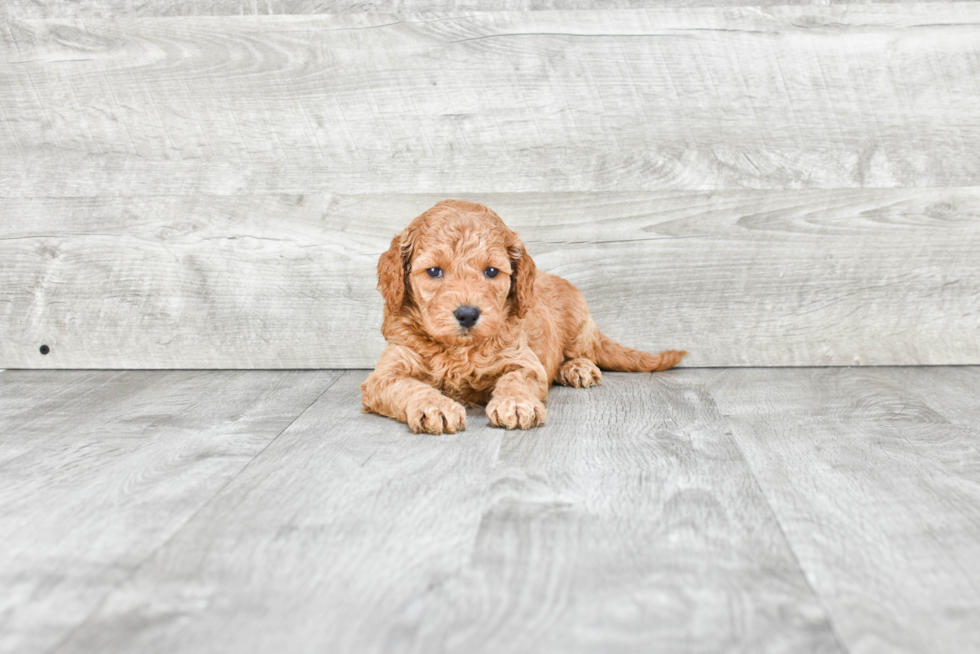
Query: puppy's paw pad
(512, 413)
(435, 416)
(579, 373)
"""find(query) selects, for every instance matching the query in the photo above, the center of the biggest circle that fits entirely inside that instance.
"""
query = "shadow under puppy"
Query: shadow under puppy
(468, 319)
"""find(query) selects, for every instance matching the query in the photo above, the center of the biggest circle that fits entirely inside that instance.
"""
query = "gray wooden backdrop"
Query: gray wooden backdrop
(209, 184)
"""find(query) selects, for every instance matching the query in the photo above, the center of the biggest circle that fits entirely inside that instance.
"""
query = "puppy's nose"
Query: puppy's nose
(467, 316)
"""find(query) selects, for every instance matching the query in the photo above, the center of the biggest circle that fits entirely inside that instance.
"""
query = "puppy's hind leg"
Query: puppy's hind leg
(579, 369)
(580, 372)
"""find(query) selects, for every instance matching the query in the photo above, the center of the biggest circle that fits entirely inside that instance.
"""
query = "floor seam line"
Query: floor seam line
(779, 525)
(136, 568)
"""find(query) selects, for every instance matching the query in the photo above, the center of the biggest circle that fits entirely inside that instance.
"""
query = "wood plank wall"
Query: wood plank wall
(209, 184)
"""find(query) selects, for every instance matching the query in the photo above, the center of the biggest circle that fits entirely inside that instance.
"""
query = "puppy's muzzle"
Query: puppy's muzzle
(466, 316)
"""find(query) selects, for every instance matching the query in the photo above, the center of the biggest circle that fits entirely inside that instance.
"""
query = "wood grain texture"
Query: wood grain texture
(952, 392)
(874, 476)
(148, 8)
(646, 99)
(764, 278)
(100, 469)
(629, 523)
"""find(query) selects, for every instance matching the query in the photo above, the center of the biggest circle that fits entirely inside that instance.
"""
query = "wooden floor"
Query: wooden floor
(737, 510)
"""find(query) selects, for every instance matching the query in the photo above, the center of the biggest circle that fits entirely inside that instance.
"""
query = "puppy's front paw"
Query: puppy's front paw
(579, 373)
(512, 413)
(436, 414)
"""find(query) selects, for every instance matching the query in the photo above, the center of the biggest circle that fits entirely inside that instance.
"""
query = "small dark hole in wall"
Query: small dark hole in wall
(45, 349)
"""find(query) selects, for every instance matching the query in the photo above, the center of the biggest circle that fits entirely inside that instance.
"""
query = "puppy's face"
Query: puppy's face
(461, 269)
(460, 283)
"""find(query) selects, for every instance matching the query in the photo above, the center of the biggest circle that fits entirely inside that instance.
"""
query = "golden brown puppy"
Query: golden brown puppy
(469, 320)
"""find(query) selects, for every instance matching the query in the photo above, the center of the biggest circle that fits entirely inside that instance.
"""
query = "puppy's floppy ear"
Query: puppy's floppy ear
(521, 278)
(391, 276)
(394, 266)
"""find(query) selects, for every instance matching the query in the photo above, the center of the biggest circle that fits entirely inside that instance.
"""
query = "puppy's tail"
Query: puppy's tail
(610, 355)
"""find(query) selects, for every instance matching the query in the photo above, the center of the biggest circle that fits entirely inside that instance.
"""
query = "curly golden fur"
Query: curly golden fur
(531, 329)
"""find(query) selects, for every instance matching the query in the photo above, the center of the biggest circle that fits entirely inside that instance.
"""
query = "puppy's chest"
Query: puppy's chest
(462, 377)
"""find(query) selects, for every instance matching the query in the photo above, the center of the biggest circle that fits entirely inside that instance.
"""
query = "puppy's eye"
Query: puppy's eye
(434, 272)
(491, 272)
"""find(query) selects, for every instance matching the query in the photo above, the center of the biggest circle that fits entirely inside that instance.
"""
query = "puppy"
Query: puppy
(469, 320)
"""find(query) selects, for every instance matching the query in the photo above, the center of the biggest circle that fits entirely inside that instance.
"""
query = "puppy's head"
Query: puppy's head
(459, 272)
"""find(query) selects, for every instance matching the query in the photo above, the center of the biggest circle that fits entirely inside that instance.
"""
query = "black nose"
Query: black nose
(467, 316)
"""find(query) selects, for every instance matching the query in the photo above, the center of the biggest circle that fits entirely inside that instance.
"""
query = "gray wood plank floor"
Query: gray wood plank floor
(877, 488)
(699, 510)
(99, 469)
